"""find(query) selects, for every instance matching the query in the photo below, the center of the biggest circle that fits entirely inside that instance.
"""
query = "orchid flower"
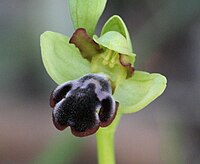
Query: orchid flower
(110, 57)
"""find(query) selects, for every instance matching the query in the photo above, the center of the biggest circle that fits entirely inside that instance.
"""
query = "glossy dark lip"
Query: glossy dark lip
(108, 122)
(57, 125)
(89, 131)
(66, 107)
(85, 133)
(57, 96)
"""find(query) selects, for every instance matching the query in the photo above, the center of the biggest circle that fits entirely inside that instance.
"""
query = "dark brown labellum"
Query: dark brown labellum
(84, 104)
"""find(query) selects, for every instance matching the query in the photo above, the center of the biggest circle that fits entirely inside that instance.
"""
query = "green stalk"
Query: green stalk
(105, 142)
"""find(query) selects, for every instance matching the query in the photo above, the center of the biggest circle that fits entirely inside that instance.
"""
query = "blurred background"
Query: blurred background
(166, 39)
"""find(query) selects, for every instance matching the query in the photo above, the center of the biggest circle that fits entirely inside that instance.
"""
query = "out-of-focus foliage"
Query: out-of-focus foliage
(62, 150)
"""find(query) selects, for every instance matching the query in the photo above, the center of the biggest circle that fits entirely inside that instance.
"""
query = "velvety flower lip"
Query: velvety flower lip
(84, 104)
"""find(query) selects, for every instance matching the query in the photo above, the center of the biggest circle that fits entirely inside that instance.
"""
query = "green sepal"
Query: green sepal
(138, 91)
(62, 60)
(114, 41)
(86, 13)
(115, 23)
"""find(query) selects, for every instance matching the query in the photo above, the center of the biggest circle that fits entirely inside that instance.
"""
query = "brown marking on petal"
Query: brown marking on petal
(57, 124)
(127, 65)
(86, 45)
(85, 133)
(110, 120)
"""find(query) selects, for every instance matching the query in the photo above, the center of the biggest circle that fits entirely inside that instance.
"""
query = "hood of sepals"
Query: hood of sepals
(109, 54)
(117, 60)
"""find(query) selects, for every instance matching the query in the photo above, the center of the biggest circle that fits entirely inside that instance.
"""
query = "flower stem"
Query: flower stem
(105, 143)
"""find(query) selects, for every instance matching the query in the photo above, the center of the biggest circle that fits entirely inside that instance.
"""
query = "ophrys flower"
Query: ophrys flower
(68, 60)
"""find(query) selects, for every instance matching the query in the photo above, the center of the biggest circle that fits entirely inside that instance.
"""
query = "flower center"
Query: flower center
(108, 63)
(111, 58)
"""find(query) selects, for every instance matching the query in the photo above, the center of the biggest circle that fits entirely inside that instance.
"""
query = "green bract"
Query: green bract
(115, 23)
(86, 13)
(111, 53)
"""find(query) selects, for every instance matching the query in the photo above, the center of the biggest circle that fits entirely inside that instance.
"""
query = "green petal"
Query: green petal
(86, 13)
(138, 91)
(115, 23)
(62, 60)
(114, 41)
(86, 45)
